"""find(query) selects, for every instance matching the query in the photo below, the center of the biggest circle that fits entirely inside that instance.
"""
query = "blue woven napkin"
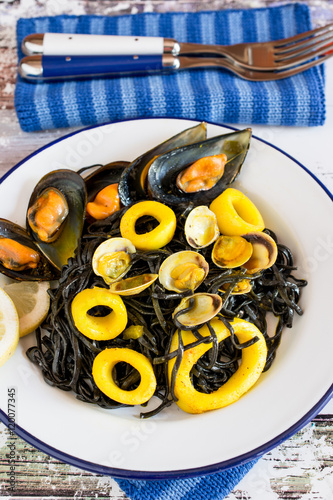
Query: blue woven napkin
(212, 95)
(213, 487)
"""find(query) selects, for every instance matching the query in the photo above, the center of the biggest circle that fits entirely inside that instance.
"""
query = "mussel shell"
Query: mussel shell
(43, 272)
(130, 186)
(73, 188)
(103, 176)
(164, 170)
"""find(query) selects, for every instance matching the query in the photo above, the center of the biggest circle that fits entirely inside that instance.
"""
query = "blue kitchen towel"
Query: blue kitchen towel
(213, 487)
(212, 95)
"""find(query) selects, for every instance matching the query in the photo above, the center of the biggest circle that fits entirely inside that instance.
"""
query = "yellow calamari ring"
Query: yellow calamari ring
(99, 327)
(158, 237)
(236, 214)
(102, 369)
(252, 363)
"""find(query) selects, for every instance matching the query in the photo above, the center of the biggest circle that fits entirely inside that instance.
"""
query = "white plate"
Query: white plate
(175, 444)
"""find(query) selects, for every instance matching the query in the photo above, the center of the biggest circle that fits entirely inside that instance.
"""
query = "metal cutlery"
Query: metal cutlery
(248, 74)
(264, 56)
(268, 56)
(45, 68)
(63, 44)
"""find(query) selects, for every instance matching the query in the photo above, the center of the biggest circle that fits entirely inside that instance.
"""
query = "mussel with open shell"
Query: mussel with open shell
(102, 188)
(198, 173)
(102, 176)
(132, 185)
(20, 258)
(56, 213)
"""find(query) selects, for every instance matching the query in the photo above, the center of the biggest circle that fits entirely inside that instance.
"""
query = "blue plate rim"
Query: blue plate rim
(183, 473)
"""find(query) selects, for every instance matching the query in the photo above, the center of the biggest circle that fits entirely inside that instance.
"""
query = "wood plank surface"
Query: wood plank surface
(298, 469)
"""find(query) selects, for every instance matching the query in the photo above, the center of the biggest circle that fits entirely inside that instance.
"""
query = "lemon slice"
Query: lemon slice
(31, 301)
(9, 327)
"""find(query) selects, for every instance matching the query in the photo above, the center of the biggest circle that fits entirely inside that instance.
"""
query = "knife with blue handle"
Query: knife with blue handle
(44, 68)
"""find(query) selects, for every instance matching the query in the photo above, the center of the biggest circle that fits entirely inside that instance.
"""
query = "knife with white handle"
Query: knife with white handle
(62, 44)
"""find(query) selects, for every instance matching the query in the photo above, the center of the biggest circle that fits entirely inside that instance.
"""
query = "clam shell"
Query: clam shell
(243, 286)
(109, 248)
(133, 285)
(163, 172)
(264, 251)
(231, 251)
(201, 227)
(205, 307)
(131, 185)
(176, 260)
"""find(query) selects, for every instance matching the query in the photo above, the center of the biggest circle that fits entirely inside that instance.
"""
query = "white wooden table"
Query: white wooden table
(300, 468)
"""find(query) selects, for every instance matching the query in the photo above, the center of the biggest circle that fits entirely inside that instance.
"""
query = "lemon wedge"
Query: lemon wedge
(31, 301)
(9, 327)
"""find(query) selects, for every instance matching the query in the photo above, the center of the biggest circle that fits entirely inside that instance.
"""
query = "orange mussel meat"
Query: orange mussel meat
(18, 257)
(47, 214)
(202, 174)
(105, 203)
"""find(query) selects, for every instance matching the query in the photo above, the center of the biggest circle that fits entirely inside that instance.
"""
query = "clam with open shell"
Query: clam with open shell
(183, 271)
(264, 252)
(196, 310)
(201, 227)
(112, 259)
(133, 285)
(231, 251)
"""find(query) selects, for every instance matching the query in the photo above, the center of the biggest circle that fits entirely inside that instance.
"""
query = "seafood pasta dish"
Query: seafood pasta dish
(162, 277)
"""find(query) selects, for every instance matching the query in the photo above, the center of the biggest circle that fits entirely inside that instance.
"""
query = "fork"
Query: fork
(43, 68)
(265, 56)
(268, 56)
(249, 74)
